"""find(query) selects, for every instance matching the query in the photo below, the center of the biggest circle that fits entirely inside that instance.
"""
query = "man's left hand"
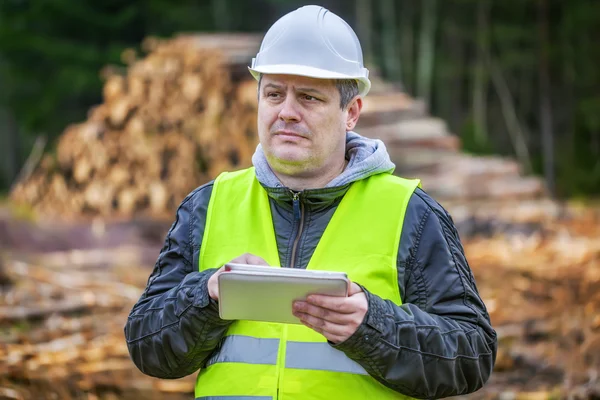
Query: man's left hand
(336, 318)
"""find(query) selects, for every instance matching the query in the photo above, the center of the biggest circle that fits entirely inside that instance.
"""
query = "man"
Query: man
(322, 197)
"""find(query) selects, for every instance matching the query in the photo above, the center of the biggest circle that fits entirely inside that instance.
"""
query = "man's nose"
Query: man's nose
(289, 110)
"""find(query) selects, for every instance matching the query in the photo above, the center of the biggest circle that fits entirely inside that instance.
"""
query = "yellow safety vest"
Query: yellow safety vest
(259, 360)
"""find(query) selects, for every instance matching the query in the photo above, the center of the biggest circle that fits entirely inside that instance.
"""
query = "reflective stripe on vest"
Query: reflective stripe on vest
(319, 356)
(298, 355)
(234, 398)
(245, 349)
(282, 361)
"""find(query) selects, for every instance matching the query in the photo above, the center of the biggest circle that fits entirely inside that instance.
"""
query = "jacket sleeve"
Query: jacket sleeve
(440, 341)
(175, 325)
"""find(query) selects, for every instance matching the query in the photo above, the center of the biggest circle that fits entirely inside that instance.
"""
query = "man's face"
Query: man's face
(301, 126)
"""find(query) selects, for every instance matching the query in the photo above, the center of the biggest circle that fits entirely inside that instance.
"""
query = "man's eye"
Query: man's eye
(273, 95)
(310, 98)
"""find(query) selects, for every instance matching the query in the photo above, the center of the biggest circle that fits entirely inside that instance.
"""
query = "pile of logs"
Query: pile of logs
(543, 295)
(173, 120)
(62, 330)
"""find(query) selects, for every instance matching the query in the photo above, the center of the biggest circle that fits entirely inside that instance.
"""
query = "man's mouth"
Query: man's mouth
(290, 134)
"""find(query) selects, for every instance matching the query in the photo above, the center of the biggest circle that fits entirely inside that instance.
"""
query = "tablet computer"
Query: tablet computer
(258, 293)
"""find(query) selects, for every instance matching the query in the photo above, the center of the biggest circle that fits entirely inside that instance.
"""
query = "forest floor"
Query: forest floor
(66, 290)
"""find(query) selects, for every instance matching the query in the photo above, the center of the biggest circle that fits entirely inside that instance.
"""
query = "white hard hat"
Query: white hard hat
(312, 41)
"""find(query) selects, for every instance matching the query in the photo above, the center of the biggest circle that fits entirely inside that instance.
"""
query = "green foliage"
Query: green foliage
(516, 41)
(51, 52)
(471, 143)
(53, 67)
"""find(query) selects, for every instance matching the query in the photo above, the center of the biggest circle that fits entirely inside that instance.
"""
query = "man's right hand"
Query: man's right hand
(213, 287)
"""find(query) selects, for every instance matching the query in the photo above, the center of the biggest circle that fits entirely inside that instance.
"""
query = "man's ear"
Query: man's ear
(354, 108)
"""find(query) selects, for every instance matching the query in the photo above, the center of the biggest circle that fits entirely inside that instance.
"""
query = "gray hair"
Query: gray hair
(348, 89)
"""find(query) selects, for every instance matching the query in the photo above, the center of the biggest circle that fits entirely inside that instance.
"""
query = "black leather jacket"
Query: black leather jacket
(438, 343)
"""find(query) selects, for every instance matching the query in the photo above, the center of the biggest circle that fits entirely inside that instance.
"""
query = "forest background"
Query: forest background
(511, 77)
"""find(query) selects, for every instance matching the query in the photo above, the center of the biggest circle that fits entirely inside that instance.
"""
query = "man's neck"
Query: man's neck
(317, 180)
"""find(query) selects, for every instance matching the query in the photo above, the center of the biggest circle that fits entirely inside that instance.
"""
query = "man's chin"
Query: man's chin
(289, 164)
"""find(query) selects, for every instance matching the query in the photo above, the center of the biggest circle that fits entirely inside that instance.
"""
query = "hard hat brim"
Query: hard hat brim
(364, 84)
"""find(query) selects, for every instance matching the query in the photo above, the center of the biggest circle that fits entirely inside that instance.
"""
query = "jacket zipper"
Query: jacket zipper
(298, 215)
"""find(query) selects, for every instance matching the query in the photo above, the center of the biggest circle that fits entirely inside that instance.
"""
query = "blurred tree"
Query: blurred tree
(427, 41)
(480, 81)
(406, 10)
(544, 95)
(222, 15)
(364, 28)
(543, 81)
(9, 145)
(389, 42)
(53, 50)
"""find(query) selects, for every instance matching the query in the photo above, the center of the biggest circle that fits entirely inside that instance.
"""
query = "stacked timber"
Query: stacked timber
(62, 324)
(421, 146)
(170, 122)
(472, 188)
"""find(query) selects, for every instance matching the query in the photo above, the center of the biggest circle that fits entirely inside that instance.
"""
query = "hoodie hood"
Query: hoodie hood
(366, 157)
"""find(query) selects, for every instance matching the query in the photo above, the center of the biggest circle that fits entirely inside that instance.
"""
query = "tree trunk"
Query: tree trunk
(391, 60)
(545, 104)
(407, 45)
(455, 82)
(526, 90)
(447, 98)
(426, 50)
(567, 111)
(10, 150)
(507, 106)
(221, 15)
(364, 27)
(480, 79)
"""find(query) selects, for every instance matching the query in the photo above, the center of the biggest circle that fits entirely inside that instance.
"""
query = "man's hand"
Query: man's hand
(213, 287)
(336, 318)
